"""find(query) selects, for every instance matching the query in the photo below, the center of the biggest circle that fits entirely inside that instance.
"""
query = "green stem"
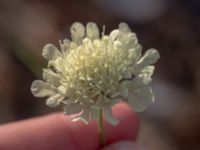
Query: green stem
(101, 128)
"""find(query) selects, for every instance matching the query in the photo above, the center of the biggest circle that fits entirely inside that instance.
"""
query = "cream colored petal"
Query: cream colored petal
(146, 74)
(114, 34)
(92, 31)
(62, 89)
(134, 54)
(72, 109)
(148, 70)
(42, 89)
(124, 27)
(54, 100)
(140, 66)
(150, 57)
(137, 82)
(65, 45)
(77, 31)
(66, 41)
(123, 88)
(122, 37)
(51, 77)
(132, 39)
(59, 65)
(128, 39)
(130, 43)
(144, 78)
(50, 52)
(109, 116)
(145, 93)
(140, 97)
(85, 116)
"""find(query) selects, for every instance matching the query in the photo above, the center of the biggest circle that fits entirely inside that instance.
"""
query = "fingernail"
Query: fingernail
(122, 145)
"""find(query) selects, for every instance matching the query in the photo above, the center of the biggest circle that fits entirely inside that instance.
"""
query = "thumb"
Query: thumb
(122, 145)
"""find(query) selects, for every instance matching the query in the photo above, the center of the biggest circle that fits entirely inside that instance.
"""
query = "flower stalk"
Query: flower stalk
(101, 129)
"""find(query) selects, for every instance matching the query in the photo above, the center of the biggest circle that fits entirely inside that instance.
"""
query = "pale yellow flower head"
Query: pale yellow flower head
(94, 72)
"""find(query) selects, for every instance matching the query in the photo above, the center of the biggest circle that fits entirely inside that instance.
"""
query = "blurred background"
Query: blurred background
(171, 26)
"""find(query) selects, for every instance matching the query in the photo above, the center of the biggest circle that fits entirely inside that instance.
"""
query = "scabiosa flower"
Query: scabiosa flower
(93, 72)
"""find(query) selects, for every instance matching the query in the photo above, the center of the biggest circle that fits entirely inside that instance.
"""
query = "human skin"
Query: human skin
(57, 132)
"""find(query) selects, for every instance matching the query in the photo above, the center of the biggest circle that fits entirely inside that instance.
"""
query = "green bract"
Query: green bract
(94, 72)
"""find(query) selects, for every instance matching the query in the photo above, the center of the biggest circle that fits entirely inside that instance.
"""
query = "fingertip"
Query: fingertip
(56, 131)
